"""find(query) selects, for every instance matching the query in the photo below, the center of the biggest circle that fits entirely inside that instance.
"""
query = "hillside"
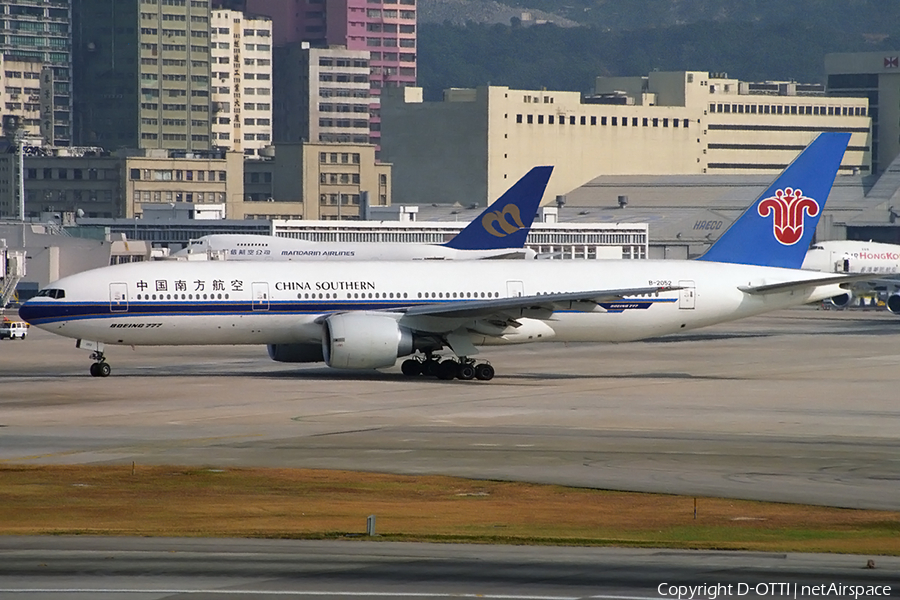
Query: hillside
(459, 12)
(873, 17)
(768, 46)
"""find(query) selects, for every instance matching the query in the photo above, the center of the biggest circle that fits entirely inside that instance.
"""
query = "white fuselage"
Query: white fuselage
(272, 248)
(222, 302)
(850, 256)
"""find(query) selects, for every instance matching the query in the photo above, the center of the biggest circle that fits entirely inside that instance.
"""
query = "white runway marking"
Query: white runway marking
(302, 593)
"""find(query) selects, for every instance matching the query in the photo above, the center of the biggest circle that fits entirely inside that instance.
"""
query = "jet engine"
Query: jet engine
(843, 300)
(893, 303)
(365, 341)
(296, 353)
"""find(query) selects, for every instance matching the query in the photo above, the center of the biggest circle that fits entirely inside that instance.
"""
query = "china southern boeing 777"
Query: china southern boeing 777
(364, 315)
(498, 232)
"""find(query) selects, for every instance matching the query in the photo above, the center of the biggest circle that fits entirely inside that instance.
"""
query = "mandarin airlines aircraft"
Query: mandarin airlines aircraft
(498, 232)
(364, 315)
(851, 256)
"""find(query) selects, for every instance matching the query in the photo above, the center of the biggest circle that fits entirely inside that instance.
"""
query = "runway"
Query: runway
(797, 406)
(117, 568)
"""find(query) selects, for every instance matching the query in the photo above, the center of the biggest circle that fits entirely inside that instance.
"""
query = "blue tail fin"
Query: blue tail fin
(505, 223)
(778, 227)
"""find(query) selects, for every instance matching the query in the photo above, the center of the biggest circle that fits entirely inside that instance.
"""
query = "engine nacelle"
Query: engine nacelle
(843, 300)
(893, 303)
(296, 353)
(364, 341)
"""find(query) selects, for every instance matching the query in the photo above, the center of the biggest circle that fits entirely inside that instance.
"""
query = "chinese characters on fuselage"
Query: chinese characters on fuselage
(198, 285)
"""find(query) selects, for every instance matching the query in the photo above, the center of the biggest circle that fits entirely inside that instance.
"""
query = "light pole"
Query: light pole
(20, 150)
(15, 133)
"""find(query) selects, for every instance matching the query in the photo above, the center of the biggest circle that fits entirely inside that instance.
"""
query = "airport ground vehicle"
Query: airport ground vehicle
(13, 330)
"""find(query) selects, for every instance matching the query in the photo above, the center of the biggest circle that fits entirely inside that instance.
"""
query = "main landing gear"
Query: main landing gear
(100, 368)
(465, 369)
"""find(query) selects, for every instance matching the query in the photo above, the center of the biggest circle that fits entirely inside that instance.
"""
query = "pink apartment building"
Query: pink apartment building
(385, 28)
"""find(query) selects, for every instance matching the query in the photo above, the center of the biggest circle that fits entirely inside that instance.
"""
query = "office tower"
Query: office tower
(876, 76)
(143, 74)
(241, 64)
(321, 94)
(39, 31)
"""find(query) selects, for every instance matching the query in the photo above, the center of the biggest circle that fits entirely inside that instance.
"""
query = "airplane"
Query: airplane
(367, 314)
(852, 256)
(498, 232)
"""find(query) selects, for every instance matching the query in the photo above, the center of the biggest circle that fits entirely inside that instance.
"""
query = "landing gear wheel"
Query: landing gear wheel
(447, 369)
(466, 371)
(411, 367)
(430, 367)
(484, 372)
(100, 369)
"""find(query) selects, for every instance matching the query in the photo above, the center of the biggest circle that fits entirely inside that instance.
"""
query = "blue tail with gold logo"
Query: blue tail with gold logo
(506, 222)
(778, 227)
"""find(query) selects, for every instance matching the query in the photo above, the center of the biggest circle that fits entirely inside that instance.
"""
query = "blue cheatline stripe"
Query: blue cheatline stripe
(50, 312)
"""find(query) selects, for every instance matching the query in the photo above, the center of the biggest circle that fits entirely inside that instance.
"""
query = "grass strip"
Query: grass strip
(317, 504)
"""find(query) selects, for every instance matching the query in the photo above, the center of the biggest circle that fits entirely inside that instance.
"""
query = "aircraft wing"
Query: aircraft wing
(885, 280)
(787, 286)
(542, 302)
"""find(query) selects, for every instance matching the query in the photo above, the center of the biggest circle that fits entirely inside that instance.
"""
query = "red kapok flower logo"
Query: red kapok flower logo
(789, 207)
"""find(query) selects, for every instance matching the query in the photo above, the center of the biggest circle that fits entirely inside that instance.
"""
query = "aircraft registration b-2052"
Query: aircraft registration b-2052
(365, 315)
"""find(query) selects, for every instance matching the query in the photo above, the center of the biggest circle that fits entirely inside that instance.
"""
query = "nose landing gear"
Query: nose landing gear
(100, 368)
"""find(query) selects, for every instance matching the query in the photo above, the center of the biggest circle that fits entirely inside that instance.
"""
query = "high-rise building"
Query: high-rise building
(384, 28)
(143, 74)
(321, 94)
(241, 63)
(876, 76)
(41, 31)
(20, 96)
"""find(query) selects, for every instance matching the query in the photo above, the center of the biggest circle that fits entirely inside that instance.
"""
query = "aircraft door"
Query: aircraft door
(841, 262)
(118, 297)
(688, 295)
(260, 292)
(515, 289)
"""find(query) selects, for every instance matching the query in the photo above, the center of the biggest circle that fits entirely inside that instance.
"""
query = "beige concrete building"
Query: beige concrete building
(473, 145)
(117, 186)
(241, 59)
(191, 179)
(20, 94)
(316, 181)
(876, 76)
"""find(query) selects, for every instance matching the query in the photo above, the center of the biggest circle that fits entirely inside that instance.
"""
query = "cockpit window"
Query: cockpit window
(817, 248)
(55, 293)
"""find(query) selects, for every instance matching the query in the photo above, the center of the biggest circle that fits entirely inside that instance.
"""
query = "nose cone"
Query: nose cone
(29, 312)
